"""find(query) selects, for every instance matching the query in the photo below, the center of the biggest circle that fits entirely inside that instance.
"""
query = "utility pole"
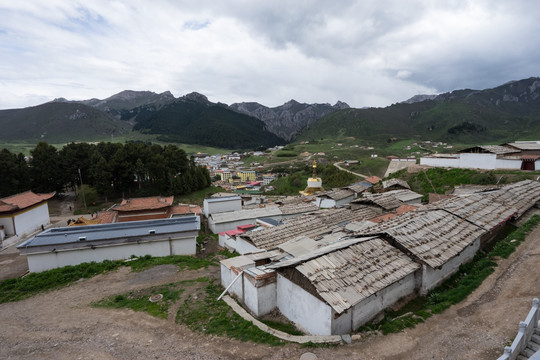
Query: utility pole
(82, 189)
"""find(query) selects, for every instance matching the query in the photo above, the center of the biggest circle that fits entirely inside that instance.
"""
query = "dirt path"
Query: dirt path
(63, 325)
(349, 171)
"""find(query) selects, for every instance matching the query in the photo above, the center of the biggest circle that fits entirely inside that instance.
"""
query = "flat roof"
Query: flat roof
(223, 198)
(67, 235)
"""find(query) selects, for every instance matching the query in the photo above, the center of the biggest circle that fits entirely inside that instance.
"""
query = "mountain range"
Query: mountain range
(505, 113)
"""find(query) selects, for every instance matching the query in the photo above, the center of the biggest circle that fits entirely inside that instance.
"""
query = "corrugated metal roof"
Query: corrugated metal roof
(482, 210)
(66, 235)
(434, 236)
(239, 215)
(349, 271)
(223, 198)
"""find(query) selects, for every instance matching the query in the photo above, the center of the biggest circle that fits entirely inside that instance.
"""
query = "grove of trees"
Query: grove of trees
(111, 168)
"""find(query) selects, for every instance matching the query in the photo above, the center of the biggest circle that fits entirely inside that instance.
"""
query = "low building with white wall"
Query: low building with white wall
(58, 247)
(334, 198)
(437, 239)
(339, 287)
(520, 155)
(226, 221)
(24, 213)
(221, 204)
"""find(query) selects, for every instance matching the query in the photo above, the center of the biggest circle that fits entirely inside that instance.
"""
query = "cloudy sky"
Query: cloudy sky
(365, 52)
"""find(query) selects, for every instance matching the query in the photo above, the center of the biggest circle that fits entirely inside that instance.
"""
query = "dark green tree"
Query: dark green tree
(16, 177)
(46, 172)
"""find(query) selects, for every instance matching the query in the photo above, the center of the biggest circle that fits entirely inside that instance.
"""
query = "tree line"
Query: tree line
(110, 168)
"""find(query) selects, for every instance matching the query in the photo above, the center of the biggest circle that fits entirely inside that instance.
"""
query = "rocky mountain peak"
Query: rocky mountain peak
(197, 97)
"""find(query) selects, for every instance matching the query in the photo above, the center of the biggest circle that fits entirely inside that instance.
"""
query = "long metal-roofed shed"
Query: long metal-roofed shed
(440, 240)
(59, 247)
(337, 288)
(479, 209)
(521, 196)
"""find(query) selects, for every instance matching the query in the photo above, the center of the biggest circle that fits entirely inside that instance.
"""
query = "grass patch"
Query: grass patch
(285, 327)
(33, 283)
(182, 261)
(456, 288)
(206, 315)
(139, 300)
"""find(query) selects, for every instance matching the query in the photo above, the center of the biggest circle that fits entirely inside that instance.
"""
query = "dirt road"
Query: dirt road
(63, 325)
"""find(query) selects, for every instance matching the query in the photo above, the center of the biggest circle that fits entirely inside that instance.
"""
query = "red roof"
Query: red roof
(405, 208)
(147, 203)
(106, 217)
(186, 209)
(23, 200)
(373, 179)
(246, 227)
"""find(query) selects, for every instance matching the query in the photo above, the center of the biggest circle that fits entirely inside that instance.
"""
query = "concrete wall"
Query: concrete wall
(44, 261)
(510, 164)
(477, 161)
(440, 162)
(210, 208)
(243, 246)
(260, 300)
(7, 222)
(474, 161)
(368, 308)
(227, 276)
(26, 222)
(221, 227)
(433, 277)
(304, 309)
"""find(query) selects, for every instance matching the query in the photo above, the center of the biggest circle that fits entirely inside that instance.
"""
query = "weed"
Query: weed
(209, 316)
(33, 283)
(139, 301)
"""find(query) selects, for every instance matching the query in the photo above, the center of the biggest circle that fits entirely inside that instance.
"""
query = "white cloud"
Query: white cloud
(367, 53)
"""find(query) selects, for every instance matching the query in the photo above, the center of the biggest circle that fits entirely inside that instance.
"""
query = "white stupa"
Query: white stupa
(314, 183)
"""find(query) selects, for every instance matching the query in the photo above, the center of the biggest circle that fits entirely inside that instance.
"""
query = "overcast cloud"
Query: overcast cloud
(366, 53)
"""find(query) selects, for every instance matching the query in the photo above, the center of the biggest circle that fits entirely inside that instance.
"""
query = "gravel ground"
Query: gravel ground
(62, 324)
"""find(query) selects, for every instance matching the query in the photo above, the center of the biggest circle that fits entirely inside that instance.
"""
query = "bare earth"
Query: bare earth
(62, 324)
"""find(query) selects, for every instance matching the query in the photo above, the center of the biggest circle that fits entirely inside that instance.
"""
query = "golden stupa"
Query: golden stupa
(314, 183)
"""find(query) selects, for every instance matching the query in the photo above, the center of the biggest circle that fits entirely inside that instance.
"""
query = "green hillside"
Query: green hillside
(58, 122)
(195, 122)
(506, 113)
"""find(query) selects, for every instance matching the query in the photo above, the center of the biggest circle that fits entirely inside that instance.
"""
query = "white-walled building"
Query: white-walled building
(520, 155)
(334, 198)
(58, 247)
(221, 204)
(24, 213)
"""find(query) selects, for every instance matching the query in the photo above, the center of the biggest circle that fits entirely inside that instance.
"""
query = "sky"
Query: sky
(367, 53)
